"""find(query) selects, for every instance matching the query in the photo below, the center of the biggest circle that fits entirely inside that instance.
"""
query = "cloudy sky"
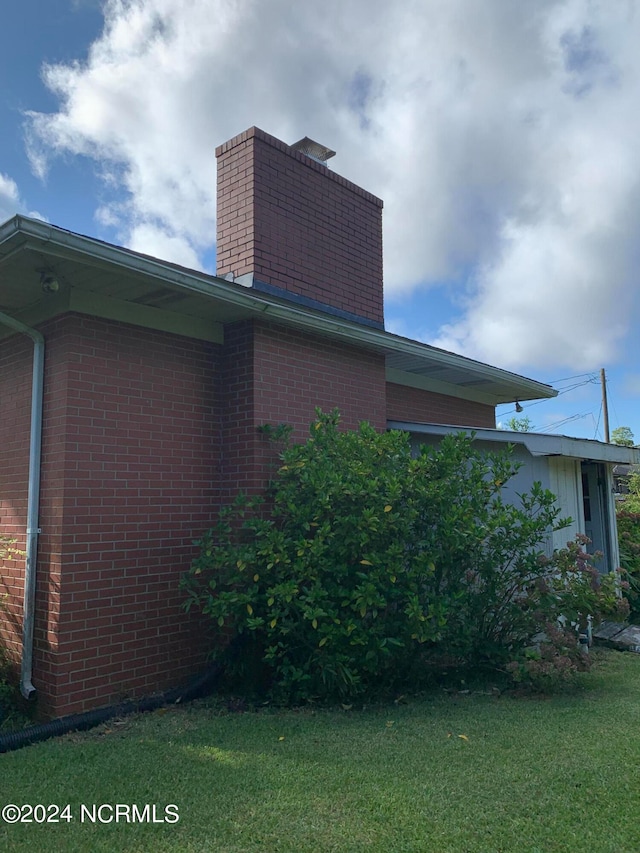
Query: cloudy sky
(503, 136)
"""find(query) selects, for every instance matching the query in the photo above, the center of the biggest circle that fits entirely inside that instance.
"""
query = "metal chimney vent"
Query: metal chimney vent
(317, 152)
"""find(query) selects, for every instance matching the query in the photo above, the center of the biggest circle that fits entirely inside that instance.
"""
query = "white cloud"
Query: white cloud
(9, 197)
(11, 202)
(502, 137)
(155, 241)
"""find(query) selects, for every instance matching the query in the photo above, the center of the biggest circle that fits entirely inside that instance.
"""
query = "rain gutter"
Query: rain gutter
(33, 500)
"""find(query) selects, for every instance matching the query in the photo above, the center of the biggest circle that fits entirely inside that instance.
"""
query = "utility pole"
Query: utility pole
(605, 406)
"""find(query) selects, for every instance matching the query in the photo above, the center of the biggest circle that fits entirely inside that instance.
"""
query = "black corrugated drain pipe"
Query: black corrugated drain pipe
(200, 686)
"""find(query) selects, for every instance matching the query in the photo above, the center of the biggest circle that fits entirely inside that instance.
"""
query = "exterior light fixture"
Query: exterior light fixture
(49, 283)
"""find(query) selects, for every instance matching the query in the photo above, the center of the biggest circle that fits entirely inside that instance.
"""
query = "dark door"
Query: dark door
(596, 511)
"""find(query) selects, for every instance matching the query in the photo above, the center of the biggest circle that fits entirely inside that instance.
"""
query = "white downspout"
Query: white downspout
(33, 500)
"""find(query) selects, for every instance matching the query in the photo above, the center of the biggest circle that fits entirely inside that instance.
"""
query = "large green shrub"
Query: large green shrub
(629, 541)
(628, 517)
(367, 568)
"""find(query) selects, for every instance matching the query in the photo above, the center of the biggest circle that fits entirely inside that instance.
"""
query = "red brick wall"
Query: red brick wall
(15, 379)
(49, 579)
(240, 439)
(131, 459)
(16, 354)
(295, 372)
(144, 434)
(275, 375)
(142, 451)
(418, 406)
(297, 225)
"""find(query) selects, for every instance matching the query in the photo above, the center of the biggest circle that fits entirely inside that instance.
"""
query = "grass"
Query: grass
(543, 774)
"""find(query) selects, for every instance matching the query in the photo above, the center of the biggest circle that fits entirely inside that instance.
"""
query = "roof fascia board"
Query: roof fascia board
(67, 244)
(538, 444)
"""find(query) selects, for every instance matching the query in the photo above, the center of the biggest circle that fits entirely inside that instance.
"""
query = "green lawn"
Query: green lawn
(558, 774)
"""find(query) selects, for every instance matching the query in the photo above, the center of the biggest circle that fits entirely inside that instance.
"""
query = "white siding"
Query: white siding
(565, 481)
(562, 475)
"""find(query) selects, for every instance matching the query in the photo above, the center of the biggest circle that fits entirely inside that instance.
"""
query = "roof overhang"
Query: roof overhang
(109, 281)
(537, 443)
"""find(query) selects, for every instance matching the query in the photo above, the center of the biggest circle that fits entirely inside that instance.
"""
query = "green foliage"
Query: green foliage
(622, 435)
(15, 713)
(628, 517)
(11, 711)
(629, 542)
(522, 424)
(7, 547)
(631, 501)
(552, 662)
(571, 591)
(368, 569)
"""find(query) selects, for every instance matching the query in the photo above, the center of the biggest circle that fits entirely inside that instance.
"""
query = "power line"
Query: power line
(568, 378)
(577, 385)
(605, 405)
(595, 435)
(565, 421)
(612, 403)
(591, 381)
(557, 424)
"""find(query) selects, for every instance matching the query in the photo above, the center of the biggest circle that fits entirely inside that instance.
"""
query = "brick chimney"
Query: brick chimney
(289, 226)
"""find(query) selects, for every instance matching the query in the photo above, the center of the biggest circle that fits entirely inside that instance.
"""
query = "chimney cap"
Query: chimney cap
(317, 152)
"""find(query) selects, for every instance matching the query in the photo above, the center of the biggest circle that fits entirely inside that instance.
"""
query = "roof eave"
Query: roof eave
(27, 232)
